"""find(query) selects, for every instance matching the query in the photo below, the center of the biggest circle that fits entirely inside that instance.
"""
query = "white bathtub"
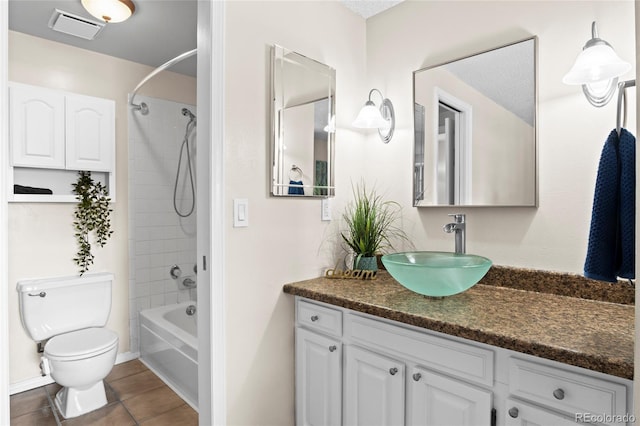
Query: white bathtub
(169, 346)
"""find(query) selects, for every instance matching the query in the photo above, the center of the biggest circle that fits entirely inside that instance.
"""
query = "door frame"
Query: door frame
(210, 85)
(464, 148)
(4, 222)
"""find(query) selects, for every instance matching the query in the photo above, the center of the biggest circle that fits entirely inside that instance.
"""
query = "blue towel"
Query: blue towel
(296, 190)
(611, 250)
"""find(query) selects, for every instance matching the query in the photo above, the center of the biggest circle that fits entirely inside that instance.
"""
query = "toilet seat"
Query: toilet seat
(80, 344)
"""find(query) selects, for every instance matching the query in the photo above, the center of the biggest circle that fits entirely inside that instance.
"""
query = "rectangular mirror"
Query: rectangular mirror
(475, 129)
(303, 125)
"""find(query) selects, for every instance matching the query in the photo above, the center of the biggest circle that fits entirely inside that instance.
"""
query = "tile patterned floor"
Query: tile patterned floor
(135, 396)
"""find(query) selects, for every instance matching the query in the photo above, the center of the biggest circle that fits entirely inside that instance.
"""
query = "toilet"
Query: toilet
(69, 314)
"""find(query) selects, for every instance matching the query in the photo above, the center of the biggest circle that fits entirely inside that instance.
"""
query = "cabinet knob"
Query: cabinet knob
(393, 371)
(417, 377)
(332, 348)
(513, 412)
(558, 394)
(315, 318)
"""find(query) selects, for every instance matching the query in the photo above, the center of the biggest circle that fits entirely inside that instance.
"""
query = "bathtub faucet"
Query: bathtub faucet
(458, 226)
(189, 283)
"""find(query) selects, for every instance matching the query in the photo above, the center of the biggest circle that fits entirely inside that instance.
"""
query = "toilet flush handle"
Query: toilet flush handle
(44, 366)
(41, 294)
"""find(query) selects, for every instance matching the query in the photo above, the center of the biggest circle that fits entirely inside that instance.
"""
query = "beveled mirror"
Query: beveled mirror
(303, 125)
(475, 129)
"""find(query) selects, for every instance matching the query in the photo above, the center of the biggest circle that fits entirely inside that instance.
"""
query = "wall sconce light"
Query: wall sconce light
(110, 11)
(372, 117)
(597, 69)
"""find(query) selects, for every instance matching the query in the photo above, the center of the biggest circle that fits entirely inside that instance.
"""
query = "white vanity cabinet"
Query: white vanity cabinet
(53, 134)
(551, 389)
(374, 388)
(434, 399)
(522, 414)
(318, 365)
(357, 369)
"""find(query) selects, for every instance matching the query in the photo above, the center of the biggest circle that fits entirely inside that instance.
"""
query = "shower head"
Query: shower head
(188, 113)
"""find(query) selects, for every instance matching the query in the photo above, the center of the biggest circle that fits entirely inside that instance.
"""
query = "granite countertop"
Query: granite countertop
(593, 334)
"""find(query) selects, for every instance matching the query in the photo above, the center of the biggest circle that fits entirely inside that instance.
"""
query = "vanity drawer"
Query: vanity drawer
(321, 318)
(567, 391)
(457, 359)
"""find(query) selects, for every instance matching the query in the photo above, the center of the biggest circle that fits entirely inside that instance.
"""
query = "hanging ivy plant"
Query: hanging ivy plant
(91, 215)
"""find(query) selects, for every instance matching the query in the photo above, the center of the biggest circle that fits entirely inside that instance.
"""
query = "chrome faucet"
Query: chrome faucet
(458, 226)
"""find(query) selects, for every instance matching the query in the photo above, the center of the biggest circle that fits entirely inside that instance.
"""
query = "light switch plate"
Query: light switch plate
(325, 206)
(240, 212)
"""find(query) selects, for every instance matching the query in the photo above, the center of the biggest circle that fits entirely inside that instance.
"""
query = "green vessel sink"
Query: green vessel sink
(436, 273)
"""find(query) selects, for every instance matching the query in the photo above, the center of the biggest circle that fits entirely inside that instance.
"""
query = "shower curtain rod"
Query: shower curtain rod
(142, 107)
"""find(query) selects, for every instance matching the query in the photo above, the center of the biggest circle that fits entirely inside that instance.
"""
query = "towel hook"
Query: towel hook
(295, 174)
(621, 117)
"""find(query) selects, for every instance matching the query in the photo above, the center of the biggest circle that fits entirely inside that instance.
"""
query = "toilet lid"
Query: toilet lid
(81, 343)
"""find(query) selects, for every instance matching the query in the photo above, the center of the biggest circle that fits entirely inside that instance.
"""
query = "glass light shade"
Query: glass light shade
(370, 117)
(596, 63)
(111, 11)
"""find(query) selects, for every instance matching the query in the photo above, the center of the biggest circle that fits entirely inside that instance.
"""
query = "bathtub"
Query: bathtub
(169, 347)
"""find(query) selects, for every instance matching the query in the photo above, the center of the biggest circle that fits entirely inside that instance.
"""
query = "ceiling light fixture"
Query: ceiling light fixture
(110, 11)
(372, 117)
(597, 69)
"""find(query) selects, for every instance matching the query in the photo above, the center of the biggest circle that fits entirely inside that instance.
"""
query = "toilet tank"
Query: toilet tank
(53, 306)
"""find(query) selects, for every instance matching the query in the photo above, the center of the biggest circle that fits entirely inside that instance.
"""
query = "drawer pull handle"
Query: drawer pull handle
(417, 377)
(332, 348)
(393, 371)
(513, 412)
(558, 394)
(315, 318)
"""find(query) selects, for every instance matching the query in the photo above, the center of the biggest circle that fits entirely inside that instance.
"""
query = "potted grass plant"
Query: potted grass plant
(371, 226)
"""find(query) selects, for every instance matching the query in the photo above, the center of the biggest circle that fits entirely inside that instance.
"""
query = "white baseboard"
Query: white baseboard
(36, 382)
(28, 384)
(127, 356)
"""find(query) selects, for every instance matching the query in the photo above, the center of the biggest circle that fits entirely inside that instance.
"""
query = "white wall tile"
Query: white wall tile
(159, 238)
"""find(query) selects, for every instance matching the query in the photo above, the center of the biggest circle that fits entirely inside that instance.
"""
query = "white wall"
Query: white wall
(571, 132)
(41, 242)
(285, 240)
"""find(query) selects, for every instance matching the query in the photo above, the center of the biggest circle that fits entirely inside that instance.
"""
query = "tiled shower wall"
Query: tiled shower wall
(158, 237)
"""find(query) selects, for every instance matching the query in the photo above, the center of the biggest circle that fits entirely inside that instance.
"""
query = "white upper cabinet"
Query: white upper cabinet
(37, 127)
(59, 130)
(90, 129)
(53, 134)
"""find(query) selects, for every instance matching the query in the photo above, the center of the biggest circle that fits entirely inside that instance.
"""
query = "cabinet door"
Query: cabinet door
(520, 414)
(318, 379)
(36, 127)
(374, 389)
(90, 126)
(437, 400)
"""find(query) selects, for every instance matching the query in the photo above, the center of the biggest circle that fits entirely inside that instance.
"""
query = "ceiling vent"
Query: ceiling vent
(74, 25)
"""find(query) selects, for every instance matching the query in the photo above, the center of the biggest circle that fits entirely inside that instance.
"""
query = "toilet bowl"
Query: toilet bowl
(71, 313)
(79, 361)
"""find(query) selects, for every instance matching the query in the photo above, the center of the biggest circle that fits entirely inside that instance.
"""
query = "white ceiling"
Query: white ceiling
(369, 8)
(506, 75)
(158, 31)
